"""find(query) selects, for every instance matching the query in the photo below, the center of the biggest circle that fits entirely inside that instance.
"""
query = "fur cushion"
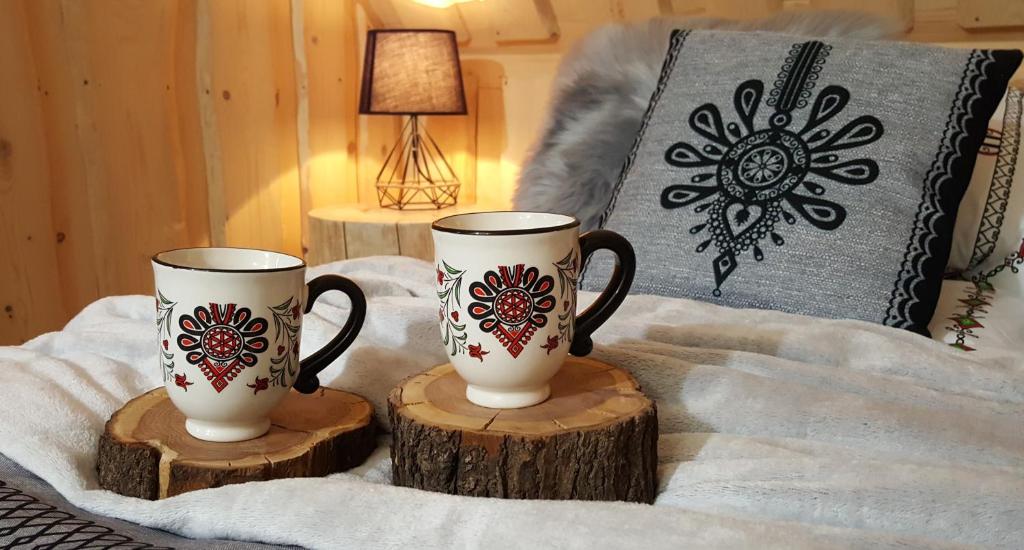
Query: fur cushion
(602, 91)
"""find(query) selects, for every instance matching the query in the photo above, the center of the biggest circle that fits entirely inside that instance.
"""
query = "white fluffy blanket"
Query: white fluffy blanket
(776, 431)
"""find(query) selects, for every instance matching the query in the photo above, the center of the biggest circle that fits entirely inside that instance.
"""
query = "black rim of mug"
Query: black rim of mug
(436, 226)
(156, 259)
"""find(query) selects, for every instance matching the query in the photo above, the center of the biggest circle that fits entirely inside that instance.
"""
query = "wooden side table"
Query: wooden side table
(343, 232)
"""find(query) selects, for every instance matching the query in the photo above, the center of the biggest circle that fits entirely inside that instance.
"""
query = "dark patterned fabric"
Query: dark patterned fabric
(812, 177)
(33, 515)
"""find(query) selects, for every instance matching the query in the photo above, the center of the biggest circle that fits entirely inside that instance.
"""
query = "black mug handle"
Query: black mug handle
(613, 294)
(307, 381)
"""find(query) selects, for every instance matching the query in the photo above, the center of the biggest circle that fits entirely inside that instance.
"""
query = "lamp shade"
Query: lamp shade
(412, 72)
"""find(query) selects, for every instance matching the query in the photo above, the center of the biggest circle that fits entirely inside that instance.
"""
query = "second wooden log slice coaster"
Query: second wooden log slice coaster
(595, 438)
(145, 451)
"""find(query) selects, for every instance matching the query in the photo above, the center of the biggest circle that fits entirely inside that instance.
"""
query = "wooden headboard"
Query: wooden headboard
(551, 26)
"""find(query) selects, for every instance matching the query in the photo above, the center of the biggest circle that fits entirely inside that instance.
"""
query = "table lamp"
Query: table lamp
(413, 72)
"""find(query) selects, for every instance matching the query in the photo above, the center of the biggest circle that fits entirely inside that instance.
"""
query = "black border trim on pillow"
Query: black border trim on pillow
(676, 41)
(916, 289)
(1002, 181)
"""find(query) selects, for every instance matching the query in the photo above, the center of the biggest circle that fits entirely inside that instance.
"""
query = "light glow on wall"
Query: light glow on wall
(441, 3)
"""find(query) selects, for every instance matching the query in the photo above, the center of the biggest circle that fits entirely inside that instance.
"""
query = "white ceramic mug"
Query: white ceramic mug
(229, 321)
(507, 288)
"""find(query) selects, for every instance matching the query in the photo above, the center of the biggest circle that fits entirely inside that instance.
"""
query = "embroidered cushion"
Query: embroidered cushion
(815, 177)
(990, 224)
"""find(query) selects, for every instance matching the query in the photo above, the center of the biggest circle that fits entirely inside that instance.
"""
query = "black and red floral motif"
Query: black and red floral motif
(477, 352)
(164, 312)
(259, 385)
(568, 277)
(181, 380)
(287, 323)
(512, 304)
(453, 333)
(552, 344)
(222, 341)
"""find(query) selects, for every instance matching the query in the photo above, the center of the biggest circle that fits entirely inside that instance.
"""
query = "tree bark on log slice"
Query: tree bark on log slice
(595, 438)
(145, 451)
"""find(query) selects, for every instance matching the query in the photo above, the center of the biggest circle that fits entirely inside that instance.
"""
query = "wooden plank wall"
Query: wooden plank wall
(29, 281)
(132, 126)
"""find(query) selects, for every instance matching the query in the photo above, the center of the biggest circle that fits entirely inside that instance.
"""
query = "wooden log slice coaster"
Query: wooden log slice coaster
(595, 438)
(145, 451)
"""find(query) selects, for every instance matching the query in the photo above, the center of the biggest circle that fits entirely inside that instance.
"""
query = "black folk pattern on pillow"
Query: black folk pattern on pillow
(747, 177)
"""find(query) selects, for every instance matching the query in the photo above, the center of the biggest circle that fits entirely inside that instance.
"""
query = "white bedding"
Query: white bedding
(776, 430)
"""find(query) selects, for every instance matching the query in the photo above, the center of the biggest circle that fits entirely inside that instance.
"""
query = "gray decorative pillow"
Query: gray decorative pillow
(602, 90)
(815, 177)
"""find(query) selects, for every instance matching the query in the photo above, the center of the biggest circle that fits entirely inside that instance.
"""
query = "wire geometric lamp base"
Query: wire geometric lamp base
(418, 175)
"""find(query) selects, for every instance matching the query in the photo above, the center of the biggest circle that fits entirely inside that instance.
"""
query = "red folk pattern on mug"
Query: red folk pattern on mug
(512, 303)
(222, 340)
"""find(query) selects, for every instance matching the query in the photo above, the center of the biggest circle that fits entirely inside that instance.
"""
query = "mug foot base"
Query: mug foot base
(507, 399)
(226, 432)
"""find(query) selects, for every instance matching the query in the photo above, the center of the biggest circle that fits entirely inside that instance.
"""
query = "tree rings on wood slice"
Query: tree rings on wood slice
(595, 438)
(145, 451)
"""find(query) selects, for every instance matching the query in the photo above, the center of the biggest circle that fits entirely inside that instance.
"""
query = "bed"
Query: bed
(777, 430)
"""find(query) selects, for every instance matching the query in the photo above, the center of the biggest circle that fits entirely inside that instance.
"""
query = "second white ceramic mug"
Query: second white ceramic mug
(506, 282)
